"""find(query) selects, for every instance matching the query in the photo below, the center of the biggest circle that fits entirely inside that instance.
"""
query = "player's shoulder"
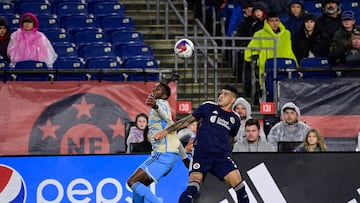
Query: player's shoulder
(209, 103)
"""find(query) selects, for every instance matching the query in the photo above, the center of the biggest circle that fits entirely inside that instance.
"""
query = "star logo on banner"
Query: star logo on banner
(83, 108)
(48, 130)
(118, 128)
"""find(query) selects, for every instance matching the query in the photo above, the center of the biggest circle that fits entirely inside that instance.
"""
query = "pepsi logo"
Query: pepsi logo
(83, 123)
(12, 185)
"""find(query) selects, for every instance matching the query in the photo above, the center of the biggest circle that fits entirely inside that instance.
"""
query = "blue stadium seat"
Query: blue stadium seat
(103, 64)
(88, 37)
(38, 8)
(112, 23)
(120, 38)
(66, 51)
(134, 51)
(70, 8)
(48, 22)
(313, 6)
(98, 51)
(287, 63)
(76, 23)
(141, 63)
(13, 21)
(106, 8)
(67, 69)
(353, 5)
(58, 36)
(32, 71)
(7, 8)
(317, 62)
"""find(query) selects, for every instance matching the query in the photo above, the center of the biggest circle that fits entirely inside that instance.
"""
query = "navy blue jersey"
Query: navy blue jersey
(216, 128)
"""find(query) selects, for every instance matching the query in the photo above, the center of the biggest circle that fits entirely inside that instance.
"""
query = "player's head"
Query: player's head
(161, 91)
(227, 96)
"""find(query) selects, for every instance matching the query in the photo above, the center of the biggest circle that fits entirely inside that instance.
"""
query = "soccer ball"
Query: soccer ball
(184, 48)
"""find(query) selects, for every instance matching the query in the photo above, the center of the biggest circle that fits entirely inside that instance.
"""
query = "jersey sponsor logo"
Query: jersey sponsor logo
(84, 123)
(12, 185)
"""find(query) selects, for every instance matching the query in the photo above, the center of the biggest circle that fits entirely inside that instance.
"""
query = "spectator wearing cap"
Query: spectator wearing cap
(330, 20)
(341, 41)
(310, 42)
(290, 128)
(296, 13)
(27, 43)
(352, 55)
(4, 39)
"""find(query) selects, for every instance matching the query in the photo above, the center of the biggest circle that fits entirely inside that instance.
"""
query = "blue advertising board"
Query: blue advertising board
(90, 178)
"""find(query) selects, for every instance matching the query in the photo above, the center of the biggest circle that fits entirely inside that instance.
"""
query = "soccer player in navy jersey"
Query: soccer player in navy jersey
(212, 148)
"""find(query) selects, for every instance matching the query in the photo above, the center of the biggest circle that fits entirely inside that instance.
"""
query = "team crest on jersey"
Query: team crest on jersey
(232, 120)
(196, 166)
(84, 123)
(213, 119)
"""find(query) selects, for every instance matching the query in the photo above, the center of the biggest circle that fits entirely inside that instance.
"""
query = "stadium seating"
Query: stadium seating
(13, 21)
(32, 71)
(317, 62)
(105, 8)
(66, 51)
(6, 8)
(67, 69)
(37, 8)
(112, 23)
(287, 63)
(134, 51)
(58, 36)
(88, 37)
(120, 38)
(98, 51)
(48, 22)
(76, 23)
(103, 64)
(71, 8)
(4, 66)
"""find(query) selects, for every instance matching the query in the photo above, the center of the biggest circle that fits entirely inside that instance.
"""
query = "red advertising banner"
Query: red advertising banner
(70, 117)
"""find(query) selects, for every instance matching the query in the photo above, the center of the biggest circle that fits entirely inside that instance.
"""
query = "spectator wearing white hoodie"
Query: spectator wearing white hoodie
(243, 108)
(290, 128)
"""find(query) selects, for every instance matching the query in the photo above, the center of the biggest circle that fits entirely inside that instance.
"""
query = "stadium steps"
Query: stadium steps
(154, 36)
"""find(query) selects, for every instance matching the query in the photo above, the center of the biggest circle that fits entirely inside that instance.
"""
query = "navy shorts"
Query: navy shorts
(217, 164)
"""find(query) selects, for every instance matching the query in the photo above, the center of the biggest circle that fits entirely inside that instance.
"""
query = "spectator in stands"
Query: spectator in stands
(4, 39)
(253, 142)
(187, 135)
(27, 43)
(291, 128)
(274, 29)
(330, 20)
(313, 142)
(296, 13)
(243, 108)
(310, 42)
(139, 132)
(278, 6)
(255, 15)
(341, 41)
(353, 55)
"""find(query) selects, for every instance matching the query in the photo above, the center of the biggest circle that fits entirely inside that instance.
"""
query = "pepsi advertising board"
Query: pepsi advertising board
(61, 179)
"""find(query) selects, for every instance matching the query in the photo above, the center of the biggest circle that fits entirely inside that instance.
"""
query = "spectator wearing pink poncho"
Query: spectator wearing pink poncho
(27, 43)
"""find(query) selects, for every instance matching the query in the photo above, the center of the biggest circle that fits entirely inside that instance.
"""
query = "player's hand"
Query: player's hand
(159, 136)
(186, 162)
(150, 101)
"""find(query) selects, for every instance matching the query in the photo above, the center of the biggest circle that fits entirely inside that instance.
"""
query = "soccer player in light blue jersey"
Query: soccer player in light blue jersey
(212, 148)
(165, 151)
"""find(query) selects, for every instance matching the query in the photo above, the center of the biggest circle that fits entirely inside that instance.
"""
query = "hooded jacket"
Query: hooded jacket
(283, 48)
(283, 131)
(30, 45)
(4, 40)
(241, 133)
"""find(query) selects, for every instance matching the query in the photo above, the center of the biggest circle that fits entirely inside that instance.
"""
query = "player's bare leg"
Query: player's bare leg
(233, 178)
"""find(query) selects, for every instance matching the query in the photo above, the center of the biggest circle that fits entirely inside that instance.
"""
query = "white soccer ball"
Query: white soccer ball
(184, 48)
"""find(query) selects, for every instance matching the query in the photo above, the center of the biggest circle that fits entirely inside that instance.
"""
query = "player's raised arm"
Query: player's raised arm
(176, 126)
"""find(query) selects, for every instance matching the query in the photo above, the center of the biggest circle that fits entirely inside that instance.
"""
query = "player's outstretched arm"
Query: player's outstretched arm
(176, 126)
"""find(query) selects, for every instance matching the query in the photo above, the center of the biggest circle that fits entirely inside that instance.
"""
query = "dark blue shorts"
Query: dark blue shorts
(217, 164)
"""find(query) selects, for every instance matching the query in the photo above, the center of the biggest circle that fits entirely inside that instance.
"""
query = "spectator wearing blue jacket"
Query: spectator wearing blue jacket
(295, 18)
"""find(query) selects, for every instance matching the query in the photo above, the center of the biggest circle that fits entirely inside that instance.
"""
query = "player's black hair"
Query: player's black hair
(166, 89)
(231, 89)
(253, 121)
